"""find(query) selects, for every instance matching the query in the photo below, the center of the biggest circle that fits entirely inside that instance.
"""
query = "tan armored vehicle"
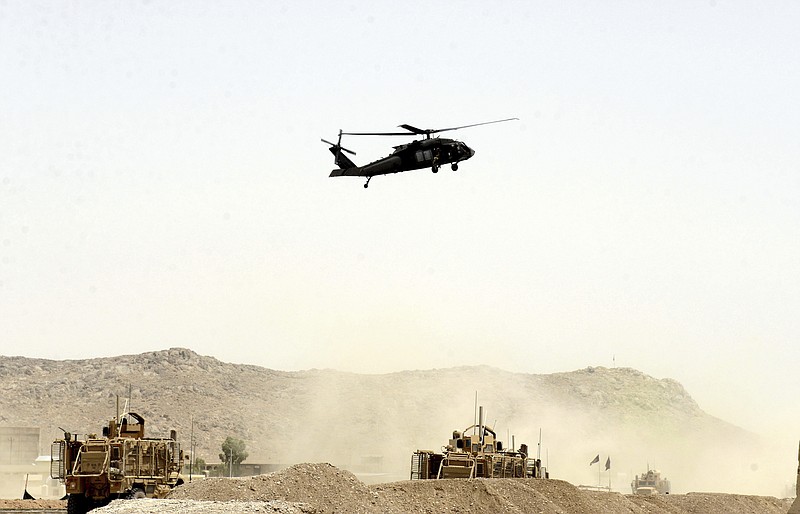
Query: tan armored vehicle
(650, 483)
(120, 464)
(475, 455)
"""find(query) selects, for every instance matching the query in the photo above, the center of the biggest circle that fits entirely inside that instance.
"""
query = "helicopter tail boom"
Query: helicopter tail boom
(352, 171)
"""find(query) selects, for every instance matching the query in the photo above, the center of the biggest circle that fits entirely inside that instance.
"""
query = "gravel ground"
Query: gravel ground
(323, 489)
(32, 504)
(153, 506)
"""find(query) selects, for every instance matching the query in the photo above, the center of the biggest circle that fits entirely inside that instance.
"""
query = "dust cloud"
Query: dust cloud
(371, 424)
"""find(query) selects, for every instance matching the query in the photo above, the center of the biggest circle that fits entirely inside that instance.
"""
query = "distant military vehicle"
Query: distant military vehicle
(650, 483)
(475, 455)
(795, 508)
(120, 464)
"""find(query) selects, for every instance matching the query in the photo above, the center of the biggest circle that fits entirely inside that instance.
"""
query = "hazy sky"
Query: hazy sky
(162, 184)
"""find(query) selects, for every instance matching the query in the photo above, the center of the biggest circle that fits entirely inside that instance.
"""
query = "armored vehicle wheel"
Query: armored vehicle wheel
(77, 504)
(136, 494)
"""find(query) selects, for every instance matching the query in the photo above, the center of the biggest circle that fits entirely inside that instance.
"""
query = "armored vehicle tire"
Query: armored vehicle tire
(77, 504)
(137, 494)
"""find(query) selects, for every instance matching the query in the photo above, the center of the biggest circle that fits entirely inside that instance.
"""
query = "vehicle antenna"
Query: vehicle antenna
(539, 450)
(475, 423)
(480, 422)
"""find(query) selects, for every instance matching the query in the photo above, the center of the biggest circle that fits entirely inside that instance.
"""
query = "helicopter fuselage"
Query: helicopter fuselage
(424, 153)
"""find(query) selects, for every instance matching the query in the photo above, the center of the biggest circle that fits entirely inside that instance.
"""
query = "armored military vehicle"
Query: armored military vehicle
(123, 463)
(650, 483)
(475, 452)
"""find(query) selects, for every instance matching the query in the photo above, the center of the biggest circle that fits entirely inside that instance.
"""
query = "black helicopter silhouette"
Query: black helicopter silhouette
(422, 153)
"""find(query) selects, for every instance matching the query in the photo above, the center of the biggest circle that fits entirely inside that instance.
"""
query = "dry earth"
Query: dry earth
(323, 489)
(32, 504)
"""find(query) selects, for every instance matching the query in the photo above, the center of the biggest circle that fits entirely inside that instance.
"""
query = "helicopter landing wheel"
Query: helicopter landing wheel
(454, 166)
(367, 183)
(435, 169)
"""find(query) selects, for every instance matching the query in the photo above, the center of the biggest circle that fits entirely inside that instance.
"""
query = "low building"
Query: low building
(21, 466)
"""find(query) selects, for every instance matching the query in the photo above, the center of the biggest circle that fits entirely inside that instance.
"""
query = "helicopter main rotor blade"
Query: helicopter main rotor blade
(412, 130)
(376, 134)
(473, 125)
(339, 147)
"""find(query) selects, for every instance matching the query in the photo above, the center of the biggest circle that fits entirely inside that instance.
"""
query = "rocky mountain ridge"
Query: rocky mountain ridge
(377, 421)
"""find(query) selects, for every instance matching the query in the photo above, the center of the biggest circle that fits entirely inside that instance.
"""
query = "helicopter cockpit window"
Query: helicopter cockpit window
(419, 157)
(428, 155)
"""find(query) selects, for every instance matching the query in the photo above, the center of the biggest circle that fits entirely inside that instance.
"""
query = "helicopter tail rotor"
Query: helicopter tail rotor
(339, 158)
(336, 147)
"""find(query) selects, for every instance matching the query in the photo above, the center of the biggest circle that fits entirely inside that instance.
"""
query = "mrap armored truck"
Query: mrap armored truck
(476, 455)
(123, 463)
(650, 483)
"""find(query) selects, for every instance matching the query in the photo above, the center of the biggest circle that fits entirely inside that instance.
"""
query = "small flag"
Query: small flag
(596, 459)
(608, 463)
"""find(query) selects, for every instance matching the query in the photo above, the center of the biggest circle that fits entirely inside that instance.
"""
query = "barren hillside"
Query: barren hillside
(372, 423)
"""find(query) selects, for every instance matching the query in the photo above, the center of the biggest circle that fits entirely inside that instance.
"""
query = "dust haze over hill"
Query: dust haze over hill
(374, 422)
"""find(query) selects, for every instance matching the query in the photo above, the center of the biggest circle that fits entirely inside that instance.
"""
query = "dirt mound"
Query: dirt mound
(153, 506)
(513, 496)
(323, 486)
(712, 502)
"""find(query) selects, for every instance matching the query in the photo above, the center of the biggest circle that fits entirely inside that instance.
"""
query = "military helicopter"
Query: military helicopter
(421, 153)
